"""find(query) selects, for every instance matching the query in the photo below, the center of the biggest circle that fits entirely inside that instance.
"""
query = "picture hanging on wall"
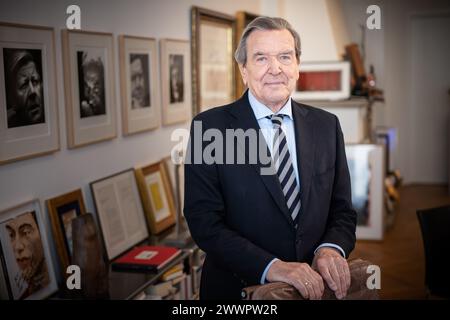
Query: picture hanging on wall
(28, 92)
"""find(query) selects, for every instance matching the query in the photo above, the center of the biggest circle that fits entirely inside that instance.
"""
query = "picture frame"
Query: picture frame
(323, 81)
(120, 213)
(28, 126)
(88, 59)
(366, 167)
(177, 183)
(141, 105)
(213, 66)
(243, 18)
(176, 80)
(62, 210)
(157, 196)
(29, 269)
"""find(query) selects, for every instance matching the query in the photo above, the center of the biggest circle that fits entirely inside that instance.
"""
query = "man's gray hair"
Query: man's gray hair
(265, 23)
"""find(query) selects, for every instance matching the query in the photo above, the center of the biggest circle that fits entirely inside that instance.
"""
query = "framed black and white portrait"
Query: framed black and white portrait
(141, 108)
(28, 94)
(89, 86)
(175, 80)
(26, 254)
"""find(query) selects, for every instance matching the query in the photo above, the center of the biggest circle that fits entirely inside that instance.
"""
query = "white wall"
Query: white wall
(51, 175)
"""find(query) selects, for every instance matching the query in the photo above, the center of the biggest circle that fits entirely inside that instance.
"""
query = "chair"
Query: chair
(435, 226)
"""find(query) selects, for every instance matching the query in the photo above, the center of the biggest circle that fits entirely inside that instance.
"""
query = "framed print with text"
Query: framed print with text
(120, 213)
(213, 71)
(62, 210)
(175, 80)
(88, 59)
(28, 92)
(141, 108)
(26, 253)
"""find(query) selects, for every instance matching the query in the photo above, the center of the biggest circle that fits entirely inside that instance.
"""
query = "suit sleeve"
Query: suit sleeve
(341, 224)
(205, 212)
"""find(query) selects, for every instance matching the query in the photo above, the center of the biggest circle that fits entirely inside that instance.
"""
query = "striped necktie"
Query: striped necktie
(284, 167)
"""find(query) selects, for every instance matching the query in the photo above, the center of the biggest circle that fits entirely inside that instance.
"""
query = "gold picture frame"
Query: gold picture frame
(89, 78)
(141, 107)
(157, 196)
(62, 210)
(213, 66)
(28, 129)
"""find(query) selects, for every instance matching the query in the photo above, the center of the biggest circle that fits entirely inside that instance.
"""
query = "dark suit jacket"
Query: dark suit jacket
(240, 217)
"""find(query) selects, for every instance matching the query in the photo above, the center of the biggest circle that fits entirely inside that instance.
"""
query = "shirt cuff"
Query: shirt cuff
(332, 245)
(263, 277)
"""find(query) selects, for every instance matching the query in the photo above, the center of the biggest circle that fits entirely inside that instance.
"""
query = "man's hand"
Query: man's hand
(334, 270)
(300, 275)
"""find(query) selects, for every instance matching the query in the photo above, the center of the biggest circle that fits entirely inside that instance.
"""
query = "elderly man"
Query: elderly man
(296, 225)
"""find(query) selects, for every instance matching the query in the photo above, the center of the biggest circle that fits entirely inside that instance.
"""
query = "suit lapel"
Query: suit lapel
(305, 145)
(244, 118)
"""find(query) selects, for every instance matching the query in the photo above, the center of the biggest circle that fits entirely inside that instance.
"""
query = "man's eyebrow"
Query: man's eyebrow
(260, 53)
(25, 225)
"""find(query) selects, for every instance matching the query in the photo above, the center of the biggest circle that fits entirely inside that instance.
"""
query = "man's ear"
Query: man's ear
(243, 71)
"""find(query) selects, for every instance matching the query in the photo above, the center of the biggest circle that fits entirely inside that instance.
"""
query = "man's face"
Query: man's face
(93, 89)
(29, 93)
(26, 243)
(271, 71)
(137, 81)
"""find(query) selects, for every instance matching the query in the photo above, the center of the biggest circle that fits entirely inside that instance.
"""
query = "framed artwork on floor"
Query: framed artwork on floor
(28, 92)
(119, 211)
(62, 210)
(157, 196)
(141, 108)
(26, 254)
(88, 59)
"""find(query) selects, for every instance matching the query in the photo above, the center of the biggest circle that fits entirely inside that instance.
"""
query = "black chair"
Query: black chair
(435, 226)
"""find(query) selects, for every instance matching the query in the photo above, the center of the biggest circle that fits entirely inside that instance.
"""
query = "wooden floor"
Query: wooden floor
(400, 255)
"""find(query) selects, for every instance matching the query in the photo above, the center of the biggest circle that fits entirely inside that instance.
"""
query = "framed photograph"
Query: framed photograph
(141, 108)
(157, 196)
(213, 70)
(26, 253)
(243, 18)
(62, 210)
(88, 59)
(366, 166)
(176, 174)
(323, 81)
(28, 93)
(175, 80)
(119, 210)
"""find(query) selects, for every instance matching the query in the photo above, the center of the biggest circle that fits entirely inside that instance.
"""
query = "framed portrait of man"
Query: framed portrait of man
(28, 93)
(26, 253)
(141, 107)
(175, 80)
(88, 59)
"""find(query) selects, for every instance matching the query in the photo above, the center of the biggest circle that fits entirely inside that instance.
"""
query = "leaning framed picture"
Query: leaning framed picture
(28, 92)
(366, 167)
(157, 196)
(175, 80)
(120, 213)
(62, 210)
(213, 73)
(88, 59)
(26, 252)
(323, 81)
(141, 108)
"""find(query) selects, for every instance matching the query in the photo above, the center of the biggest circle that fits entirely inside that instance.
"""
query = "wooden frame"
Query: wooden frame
(141, 108)
(243, 18)
(119, 210)
(157, 196)
(25, 223)
(62, 210)
(88, 59)
(175, 80)
(213, 69)
(27, 128)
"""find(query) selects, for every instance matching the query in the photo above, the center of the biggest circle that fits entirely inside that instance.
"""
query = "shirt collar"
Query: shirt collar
(261, 111)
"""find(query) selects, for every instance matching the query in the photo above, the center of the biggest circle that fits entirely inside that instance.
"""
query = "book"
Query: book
(146, 258)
